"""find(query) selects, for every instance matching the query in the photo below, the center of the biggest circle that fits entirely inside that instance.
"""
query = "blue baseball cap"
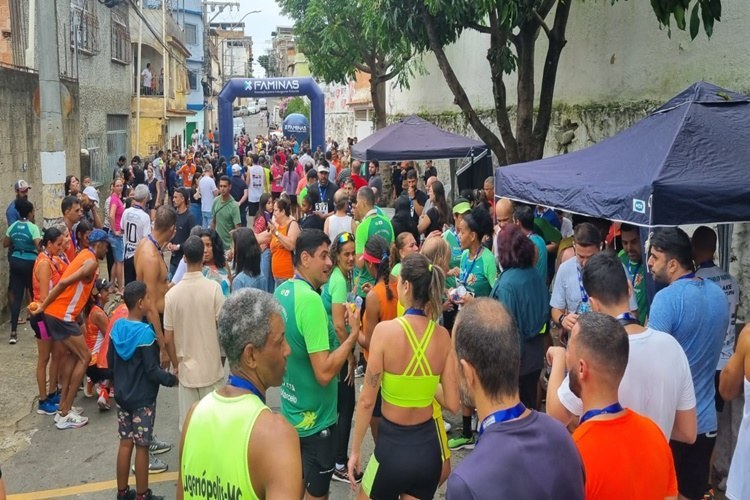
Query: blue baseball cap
(98, 235)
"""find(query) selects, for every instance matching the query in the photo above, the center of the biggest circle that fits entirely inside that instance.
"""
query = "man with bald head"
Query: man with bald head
(503, 217)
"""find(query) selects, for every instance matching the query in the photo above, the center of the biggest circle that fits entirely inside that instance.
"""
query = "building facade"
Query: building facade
(190, 17)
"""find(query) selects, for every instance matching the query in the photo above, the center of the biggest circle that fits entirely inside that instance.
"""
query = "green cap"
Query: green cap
(461, 206)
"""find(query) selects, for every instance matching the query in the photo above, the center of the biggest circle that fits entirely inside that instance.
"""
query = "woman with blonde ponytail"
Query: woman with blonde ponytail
(412, 359)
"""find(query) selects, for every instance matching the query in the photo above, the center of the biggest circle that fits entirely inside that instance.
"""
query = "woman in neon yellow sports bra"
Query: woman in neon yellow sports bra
(412, 358)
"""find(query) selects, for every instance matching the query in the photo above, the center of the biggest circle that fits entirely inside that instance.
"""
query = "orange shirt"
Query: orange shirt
(94, 337)
(58, 267)
(281, 258)
(187, 171)
(69, 304)
(625, 458)
(388, 308)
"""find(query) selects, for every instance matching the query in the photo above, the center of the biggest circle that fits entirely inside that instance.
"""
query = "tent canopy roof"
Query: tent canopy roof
(685, 163)
(414, 139)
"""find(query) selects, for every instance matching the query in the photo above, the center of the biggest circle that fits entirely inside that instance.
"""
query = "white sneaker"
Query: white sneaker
(70, 421)
(447, 425)
(78, 410)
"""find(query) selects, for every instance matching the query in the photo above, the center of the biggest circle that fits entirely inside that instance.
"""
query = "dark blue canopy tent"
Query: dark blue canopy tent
(415, 139)
(688, 162)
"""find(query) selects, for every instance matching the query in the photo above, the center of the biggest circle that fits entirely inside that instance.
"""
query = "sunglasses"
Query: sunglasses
(344, 238)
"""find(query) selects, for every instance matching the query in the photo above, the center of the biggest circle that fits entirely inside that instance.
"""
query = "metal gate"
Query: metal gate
(117, 143)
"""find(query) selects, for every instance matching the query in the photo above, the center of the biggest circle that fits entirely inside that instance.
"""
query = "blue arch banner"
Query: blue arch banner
(270, 87)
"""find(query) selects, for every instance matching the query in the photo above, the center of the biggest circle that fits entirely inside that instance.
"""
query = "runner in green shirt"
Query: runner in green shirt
(478, 267)
(631, 257)
(371, 224)
(308, 398)
(461, 207)
(225, 213)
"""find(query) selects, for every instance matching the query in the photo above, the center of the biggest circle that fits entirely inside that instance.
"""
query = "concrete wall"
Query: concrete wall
(615, 53)
(19, 156)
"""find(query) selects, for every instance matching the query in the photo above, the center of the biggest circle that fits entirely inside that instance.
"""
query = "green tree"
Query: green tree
(340, 37)
(265, 62)
(297, 105)
(513, 28)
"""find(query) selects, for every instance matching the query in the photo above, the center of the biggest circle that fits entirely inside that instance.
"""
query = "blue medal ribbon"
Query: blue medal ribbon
(613, 408)
(415, 311)
(584, 295)
(501, 416)
(467, 272)
(626, 319)
(242, 383)
(687, 276)
(298, 277)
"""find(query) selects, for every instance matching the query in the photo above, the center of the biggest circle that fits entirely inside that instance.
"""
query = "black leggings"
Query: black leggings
(97, 374)
(20, 281)
(346, 412)
(407, 460)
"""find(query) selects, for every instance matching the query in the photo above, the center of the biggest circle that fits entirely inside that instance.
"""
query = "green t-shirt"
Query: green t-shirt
(335, 291)
(373, 224)
(307, 405)
(637, 277)
(478, 275)
(22, 235)
(451, 237)
(396, 270)
(227, 217)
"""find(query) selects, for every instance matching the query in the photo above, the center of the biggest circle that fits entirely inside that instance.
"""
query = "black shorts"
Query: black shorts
(406, 460)
(318, 461)
(692, 462)
(718, 400)
(137, 425)
(292, 198)
(252, 208)
(377, 410)
(62, 330)
(129, 270)
(39, 326)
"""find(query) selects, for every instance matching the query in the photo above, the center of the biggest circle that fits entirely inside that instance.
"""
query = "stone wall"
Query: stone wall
(19, 156)
(340, 126)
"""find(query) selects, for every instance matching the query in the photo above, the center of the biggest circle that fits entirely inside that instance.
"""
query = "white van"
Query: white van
(238, 124)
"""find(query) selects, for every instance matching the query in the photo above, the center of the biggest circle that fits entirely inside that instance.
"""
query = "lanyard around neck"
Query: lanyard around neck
(613, 408)
(501, 416)
(242, 383)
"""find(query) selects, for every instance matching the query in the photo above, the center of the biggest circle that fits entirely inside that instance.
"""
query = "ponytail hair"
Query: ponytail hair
(398, 244)
(50, 234)
(378, 247)
(428, 283)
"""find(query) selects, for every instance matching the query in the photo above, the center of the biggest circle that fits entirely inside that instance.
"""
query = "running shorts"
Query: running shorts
(407, 460)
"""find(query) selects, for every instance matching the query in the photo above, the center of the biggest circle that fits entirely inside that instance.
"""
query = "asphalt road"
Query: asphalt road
(39, 461)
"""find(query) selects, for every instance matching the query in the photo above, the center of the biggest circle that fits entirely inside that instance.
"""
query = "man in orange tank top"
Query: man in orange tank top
(63, 307)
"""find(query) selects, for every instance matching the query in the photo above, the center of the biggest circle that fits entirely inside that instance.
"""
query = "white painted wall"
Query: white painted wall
(614, 54)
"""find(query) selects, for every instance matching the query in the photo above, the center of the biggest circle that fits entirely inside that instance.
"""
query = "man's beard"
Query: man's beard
(574, 383)
(464, 393)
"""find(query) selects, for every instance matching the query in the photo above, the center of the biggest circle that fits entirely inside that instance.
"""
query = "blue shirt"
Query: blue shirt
(695, 312)
(243, 280)
(11, 214)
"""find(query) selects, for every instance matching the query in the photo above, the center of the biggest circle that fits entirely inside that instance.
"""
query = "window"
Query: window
(121, 50)
(117, 144)
(191, 34)
(192, 80)
(84, 27)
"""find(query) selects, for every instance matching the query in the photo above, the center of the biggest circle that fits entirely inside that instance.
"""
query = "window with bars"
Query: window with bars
(121, 50)
(84, 27)
(191, 34)
(192, 80)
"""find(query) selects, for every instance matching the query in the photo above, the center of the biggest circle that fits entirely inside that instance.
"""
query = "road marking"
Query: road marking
(88, 488)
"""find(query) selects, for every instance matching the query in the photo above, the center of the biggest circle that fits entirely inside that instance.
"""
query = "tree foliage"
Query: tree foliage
(513, 28)
(265, 62)
(297, 105)
(340, 37)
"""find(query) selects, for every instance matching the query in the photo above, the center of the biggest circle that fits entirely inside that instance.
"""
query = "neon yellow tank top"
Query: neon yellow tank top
(214, 458)
(410, 390)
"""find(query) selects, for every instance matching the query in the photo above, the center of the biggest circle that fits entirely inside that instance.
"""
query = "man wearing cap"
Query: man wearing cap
(239, 192)
(22, 192)
(90, 203)
(136, 225)
(62, 310)
(327, 189)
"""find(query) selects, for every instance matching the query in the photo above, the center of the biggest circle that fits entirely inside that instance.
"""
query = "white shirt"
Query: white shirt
(207, 188)
(136, 225)
(255, 186)
(566, 289)
(566, 227)
(147, 76)
(656, 383)
(732, 291)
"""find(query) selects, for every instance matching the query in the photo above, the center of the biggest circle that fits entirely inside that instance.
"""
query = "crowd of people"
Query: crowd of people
(282, 264)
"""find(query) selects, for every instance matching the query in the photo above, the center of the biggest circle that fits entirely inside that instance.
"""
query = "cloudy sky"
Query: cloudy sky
(259, 25)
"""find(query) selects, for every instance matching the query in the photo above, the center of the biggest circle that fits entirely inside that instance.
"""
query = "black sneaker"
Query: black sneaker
(150, 496)
(342, 476)
(128, 495)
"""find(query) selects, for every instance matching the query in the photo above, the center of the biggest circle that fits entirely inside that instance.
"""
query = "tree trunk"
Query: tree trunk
(484, 133)
(525, 44)
(377, 94)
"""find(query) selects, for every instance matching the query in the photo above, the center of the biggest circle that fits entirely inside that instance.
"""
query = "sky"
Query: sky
(259, 25)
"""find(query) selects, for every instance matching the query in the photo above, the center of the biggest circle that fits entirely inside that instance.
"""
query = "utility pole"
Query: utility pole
(52, 149)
